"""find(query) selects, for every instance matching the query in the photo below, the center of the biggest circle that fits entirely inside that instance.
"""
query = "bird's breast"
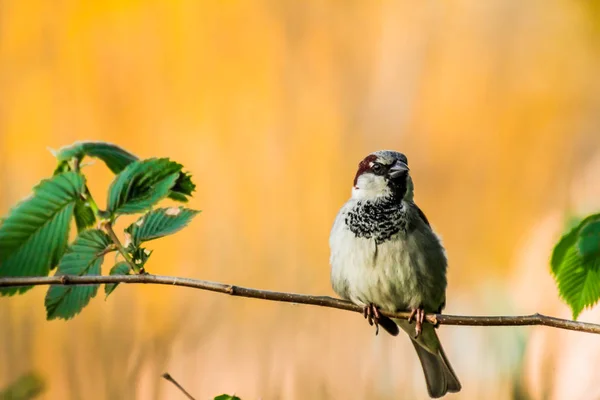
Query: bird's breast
(365, 271)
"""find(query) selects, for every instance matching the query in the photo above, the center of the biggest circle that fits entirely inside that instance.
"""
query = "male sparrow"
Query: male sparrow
(385, 256)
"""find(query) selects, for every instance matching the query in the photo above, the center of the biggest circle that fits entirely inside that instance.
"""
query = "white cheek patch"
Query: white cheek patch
(370, 186)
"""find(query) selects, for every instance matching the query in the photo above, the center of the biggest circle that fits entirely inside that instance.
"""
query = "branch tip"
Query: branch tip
(168, 377)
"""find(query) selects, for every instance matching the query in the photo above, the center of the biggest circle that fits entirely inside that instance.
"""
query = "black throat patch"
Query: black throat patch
(379, 220)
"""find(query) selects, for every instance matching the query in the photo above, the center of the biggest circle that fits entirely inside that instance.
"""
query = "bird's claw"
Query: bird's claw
(418, 314)
(371, 313)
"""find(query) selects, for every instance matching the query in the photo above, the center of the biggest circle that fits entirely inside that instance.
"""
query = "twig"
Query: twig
(323, 301)
(107, 225)
(174, 382)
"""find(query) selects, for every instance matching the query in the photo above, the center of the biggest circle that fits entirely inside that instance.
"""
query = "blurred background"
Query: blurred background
(271, 105)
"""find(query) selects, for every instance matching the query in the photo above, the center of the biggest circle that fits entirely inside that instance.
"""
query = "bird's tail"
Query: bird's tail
(439, 375)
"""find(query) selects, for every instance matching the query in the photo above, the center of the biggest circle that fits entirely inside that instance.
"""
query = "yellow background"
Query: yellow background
(271, 105)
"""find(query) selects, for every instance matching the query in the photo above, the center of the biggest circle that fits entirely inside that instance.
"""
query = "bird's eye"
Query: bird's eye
(377, 168)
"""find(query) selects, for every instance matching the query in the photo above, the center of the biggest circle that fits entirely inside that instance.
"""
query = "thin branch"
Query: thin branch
(174, 382)
(323, 301)
(113, 236)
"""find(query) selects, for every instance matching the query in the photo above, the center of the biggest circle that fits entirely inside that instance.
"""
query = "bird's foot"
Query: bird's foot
(418, 314)
(371, 313)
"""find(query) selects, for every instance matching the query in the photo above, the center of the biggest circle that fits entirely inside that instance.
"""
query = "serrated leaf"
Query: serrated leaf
(34, 236)
(141, 185)
(561, 248)
(226, 397)
(566, 242)
(579, 281)
(589, 240)
(158, 223)
(120, 268)
(62, 166)
(140, 255)
(84, 257)
(84, 215)
(115, 158)
(182, 188)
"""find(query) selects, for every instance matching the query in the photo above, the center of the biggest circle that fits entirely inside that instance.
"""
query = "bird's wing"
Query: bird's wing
(421, 215)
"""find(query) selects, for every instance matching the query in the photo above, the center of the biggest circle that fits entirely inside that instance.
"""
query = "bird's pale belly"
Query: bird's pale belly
(364, 272)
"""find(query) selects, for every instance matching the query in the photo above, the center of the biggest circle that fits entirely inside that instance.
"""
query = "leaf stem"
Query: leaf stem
(107, 225)
(88, 195)
(92, 203)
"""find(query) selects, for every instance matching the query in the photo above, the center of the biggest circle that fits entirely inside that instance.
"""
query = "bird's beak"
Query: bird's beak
(398, 169)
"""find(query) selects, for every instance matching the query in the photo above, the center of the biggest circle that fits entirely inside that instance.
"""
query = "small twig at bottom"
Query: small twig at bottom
(174, 382)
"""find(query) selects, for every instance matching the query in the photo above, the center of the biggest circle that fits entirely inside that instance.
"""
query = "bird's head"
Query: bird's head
(383, 174)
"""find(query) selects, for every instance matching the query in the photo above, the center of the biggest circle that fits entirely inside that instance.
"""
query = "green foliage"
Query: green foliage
(84, 257)
(158, 223)
(141, 185)
(226, 397)
(567, 242)
(183, 188)
(115, 158)
(120, 268)
(34, 235)
(575, 264)
(84, 215)
(28, 386)
(579, 281)
(589, 240)
(140, 255)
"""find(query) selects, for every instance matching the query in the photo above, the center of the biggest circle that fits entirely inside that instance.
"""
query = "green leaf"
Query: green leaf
(139, 255)
(141, 185)
(120, 268)
(28, 386)
(84, 257)
(572, 221)
(579, 281)
(182, 188)
(561, 248)
(158, 223)
(62, 166)
(226, 397)
(566, 242)
(589, 240)
(115, 158)
(34, 235)
(84, 215)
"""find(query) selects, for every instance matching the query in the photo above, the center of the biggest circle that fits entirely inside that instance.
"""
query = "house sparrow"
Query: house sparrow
(385, 256)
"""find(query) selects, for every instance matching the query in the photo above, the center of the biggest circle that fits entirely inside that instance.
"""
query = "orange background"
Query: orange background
(271, 105)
